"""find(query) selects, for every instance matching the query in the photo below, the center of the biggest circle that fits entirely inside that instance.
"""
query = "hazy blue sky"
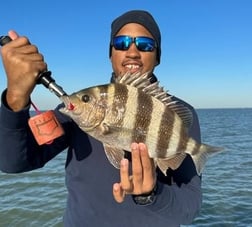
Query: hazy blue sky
(206, 45)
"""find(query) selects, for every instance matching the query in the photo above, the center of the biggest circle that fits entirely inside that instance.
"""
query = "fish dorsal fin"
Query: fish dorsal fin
(114, 155)
(143, 82)
(183, 112)
(137, 79)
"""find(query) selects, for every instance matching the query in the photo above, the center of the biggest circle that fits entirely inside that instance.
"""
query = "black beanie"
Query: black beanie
(141, 17)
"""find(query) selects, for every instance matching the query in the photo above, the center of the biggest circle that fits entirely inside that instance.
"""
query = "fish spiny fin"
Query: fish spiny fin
(137, 79)
(114, 155)
(172, 163)
(143, 82)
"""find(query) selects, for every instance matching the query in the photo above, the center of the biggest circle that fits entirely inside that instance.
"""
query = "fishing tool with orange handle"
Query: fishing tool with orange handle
(44, 126)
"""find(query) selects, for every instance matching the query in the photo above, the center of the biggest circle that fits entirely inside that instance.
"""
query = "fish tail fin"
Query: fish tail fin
(200, 158)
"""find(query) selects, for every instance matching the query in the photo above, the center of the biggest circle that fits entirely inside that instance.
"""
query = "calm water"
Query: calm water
(38, 198)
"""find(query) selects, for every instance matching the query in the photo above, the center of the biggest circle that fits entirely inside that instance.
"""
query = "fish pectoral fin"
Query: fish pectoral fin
(105, 129)
(172, 163)
(114, 155)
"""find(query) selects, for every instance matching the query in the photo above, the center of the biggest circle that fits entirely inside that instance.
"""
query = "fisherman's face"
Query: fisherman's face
(133, 60)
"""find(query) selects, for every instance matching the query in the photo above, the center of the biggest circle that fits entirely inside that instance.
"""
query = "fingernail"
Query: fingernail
(142, 146)
(124, 162)
(134, 146)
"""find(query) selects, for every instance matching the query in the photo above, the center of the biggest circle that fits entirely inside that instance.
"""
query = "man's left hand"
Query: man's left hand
(143, 178)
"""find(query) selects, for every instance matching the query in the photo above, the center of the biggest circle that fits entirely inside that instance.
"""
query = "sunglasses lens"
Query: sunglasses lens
(145, 44)
(122, 42)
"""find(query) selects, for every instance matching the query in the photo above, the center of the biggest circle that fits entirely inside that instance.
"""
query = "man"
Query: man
(98, 194)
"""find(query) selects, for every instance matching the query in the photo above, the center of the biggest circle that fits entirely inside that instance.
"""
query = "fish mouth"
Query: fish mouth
(74, 111)
(68, 104)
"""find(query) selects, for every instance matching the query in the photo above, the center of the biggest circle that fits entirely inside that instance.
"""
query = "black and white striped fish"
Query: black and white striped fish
(134, 110)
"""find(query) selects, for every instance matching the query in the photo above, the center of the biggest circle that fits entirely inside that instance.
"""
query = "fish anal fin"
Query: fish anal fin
(105, 129)
(114, 155)
(172, 163)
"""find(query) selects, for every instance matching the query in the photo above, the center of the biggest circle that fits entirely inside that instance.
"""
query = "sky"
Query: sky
(206, 46)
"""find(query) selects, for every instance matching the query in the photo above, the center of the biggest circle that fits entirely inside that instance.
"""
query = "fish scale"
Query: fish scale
(142, 117)
(164, 133)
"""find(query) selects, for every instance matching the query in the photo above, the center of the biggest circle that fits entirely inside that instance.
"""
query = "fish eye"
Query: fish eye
(85, 98)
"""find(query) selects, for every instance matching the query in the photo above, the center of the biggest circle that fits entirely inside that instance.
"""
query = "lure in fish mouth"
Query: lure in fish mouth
(68, 105)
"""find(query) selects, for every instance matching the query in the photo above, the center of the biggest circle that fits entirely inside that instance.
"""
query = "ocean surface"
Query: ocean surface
(38, 198)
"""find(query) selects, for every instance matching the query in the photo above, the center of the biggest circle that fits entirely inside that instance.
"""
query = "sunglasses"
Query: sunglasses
(142, 43)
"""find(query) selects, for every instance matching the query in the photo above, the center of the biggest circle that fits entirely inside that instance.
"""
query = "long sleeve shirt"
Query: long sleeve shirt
(90, 176)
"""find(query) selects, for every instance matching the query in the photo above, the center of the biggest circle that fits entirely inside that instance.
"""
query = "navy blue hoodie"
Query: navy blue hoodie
(90, 176)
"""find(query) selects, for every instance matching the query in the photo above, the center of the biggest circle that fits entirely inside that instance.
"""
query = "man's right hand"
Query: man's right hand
(23, 63)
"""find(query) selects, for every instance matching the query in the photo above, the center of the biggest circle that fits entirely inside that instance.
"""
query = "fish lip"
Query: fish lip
(65, 109)
(66, 101)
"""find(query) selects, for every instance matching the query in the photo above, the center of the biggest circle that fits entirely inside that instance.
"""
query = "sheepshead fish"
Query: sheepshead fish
(135, 110)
